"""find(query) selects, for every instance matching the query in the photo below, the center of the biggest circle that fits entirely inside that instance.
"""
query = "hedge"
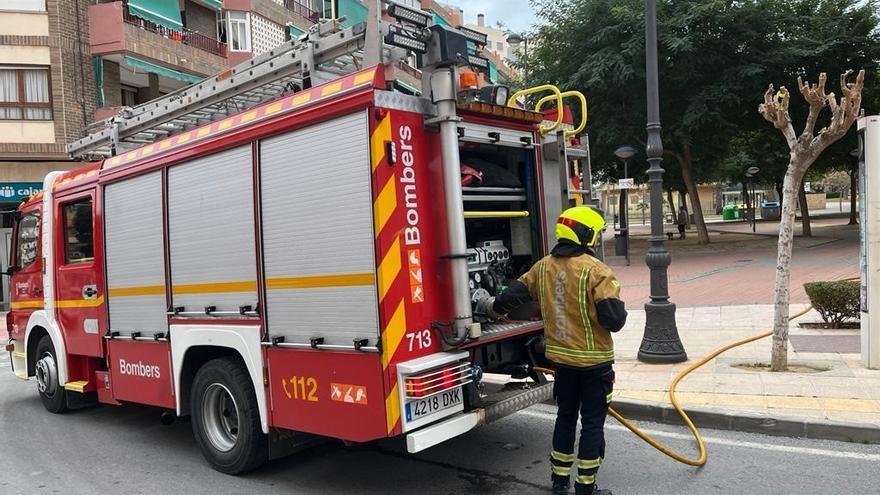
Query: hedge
(836, 301)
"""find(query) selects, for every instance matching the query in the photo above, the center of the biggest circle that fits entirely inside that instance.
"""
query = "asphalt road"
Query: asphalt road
(126, 450)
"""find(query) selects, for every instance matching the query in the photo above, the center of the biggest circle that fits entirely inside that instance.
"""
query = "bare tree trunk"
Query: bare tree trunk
(804, 149)
(682, 201)
(687, 174)
(671, 202)
(853, 191)
(779, 353)
(807, 228)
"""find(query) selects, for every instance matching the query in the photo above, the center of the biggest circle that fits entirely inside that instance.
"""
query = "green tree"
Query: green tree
(715, 55)
(712, 60)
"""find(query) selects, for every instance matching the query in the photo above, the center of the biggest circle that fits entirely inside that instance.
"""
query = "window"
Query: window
(78, 246)
(28, 239)
(324, 8)
(24, 94)
(500, 46)
(129, 96)
(239, 32)
(26, 5)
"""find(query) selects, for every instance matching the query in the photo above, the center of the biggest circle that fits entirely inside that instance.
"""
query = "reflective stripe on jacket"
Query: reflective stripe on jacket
(568, 290)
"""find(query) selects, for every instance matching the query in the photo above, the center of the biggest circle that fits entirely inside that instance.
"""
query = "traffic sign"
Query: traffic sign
(626, 183)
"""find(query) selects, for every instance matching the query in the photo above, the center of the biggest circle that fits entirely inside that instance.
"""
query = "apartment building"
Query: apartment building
(143, 49)
(47, 91)
(500, 52)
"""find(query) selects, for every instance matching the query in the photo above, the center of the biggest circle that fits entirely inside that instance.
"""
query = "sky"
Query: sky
(517, 15)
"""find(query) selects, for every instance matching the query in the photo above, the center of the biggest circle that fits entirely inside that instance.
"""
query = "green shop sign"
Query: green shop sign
(15, 192)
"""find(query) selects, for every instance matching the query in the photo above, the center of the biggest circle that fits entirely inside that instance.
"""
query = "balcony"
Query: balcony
(185, 36)
(113, 30)
(302, 10)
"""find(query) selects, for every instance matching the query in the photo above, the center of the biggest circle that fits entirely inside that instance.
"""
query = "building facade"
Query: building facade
(47, 91)
(143, 49)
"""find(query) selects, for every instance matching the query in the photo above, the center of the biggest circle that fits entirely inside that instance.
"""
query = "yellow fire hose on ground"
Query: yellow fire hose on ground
(701, 460)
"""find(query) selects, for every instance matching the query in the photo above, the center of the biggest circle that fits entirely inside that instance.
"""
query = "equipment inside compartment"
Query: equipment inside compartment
(502, 216)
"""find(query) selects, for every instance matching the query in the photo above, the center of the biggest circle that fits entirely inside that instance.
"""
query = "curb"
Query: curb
(766, 424)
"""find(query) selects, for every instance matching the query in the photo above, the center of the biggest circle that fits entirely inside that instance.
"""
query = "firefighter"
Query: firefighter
(580, 303)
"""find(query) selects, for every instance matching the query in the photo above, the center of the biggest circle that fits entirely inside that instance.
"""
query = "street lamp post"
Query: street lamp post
(750, 189)
(516, 39)
(660, 342)
(624, 153)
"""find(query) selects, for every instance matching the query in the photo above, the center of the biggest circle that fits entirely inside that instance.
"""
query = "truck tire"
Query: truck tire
(51, 390)
(225, 417)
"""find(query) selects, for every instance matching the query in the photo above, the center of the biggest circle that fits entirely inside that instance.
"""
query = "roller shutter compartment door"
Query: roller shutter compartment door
(211, 232)
(318, 233)
(135, 255)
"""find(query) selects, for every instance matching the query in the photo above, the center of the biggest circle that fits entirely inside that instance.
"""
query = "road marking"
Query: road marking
(730, 443)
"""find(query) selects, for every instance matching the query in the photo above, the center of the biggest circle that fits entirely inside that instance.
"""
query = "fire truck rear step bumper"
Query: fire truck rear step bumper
(430, 436)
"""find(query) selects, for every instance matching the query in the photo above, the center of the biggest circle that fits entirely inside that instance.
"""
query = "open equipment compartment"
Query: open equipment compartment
(502, 216)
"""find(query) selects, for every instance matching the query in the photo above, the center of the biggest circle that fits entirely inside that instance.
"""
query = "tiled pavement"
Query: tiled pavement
(845, 392)
(738, 268)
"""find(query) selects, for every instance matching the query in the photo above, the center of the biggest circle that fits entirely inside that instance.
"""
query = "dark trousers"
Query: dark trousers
(587, 392)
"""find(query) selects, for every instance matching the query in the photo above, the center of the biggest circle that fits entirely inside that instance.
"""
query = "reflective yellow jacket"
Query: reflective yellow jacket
(580, 303)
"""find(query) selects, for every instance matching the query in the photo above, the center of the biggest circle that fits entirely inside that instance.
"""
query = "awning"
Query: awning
(212, 4)
(354, 12)
(163, 12)
(137, 63)
(295, 32)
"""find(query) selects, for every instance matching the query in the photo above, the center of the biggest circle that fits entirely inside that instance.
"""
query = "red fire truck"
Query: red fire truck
(286, 250)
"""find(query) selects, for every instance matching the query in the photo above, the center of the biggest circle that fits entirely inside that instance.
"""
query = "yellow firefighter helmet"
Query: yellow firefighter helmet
(581, 225)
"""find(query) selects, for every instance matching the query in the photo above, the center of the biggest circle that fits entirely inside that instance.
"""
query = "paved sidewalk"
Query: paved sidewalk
(738, 267)
(846, 392)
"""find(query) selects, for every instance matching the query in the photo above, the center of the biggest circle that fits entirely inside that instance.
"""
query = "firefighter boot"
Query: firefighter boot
(561, 487)
(596, 491)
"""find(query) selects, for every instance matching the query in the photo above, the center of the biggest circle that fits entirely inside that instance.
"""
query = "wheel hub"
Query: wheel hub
(220, 414)
(47, 375)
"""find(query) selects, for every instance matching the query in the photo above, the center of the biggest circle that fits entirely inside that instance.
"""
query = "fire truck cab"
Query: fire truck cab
(307, 265)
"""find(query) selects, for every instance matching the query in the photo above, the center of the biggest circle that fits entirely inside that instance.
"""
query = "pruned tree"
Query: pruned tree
(804, 149)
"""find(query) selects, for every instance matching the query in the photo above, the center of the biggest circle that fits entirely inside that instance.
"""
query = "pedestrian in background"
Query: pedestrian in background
(581, 306)
(682, 221)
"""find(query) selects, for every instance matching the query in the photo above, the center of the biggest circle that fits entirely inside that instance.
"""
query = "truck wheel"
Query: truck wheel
(51, 391)
(225, 417)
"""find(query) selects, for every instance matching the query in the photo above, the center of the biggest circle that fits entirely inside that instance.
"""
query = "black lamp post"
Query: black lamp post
(750, 188)
(660, 342)
(516, 39)
(624, 153)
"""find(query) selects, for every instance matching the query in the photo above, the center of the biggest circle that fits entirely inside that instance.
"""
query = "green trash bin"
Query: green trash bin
(729, 212)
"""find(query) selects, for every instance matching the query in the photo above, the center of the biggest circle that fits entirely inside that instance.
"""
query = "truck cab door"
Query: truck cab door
(79, 284)
(26, 265)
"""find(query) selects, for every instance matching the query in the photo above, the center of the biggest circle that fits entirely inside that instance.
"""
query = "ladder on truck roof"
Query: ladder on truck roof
(326, 52)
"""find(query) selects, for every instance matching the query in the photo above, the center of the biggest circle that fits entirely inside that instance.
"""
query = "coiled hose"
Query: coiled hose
(701, 446)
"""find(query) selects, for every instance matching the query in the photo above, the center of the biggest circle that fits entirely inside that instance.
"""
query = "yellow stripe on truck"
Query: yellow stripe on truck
(380, 136)
(392, 409)
(38, 304)
(386, 203)
(147, 290)
(393, 334)
(310, 282)
(215, 288)
(79, 303)
(389, 269)
(316, 282)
